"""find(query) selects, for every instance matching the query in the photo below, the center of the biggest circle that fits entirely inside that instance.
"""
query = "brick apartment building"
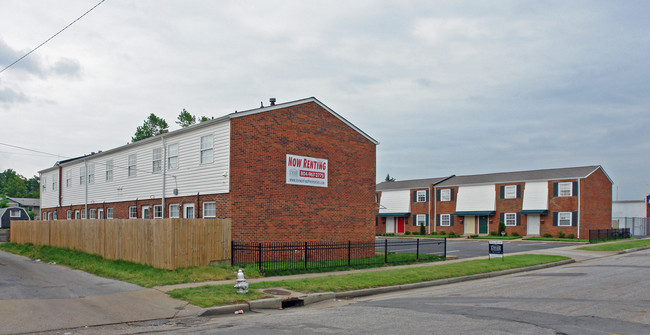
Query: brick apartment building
(285, 172)
(536, 202)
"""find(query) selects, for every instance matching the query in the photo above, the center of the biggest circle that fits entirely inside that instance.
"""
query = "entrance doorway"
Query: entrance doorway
(390, 225)
(483, 225)
(400, 225)
(470, 225)
(532, 224)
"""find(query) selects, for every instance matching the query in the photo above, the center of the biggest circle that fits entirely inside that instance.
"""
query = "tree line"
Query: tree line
(154, 125)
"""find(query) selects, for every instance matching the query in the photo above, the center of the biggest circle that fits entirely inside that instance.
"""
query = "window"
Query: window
(100, 214)
(174, 210)
(68, 178)
(445, 219)
(68, 214)
(157, 212)
(91, 213)
(76, 215)
(109, 170)
(422, 196)
(133, 212)
(445, 195)
(49, 216)
(510, 192)
(209, 209)
(54, 216)
(15, 213)
(564, 189)
(82, 175)
(157, 160)
(421, 220)
(511, 219)
(132, 164)
(188, 211)
(206, 149)
(146, 212)
(109, 213)
(55, 182)
(83, 214)
(173, 156)
(564, 219)
(91, 173)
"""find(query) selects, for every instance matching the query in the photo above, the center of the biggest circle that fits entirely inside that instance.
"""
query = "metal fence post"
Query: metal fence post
(259, 258)
(445, 252)
(305, 255)
(385, 250)
(349, 251)
(417, 249)
(232, 253)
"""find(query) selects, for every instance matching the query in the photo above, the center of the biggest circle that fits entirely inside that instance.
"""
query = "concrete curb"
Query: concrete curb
(276, 303)
(633, 250)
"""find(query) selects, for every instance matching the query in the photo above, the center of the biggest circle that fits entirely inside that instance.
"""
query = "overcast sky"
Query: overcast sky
(446, 87)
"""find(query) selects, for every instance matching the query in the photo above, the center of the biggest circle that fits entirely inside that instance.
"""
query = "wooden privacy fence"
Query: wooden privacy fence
(162, 243)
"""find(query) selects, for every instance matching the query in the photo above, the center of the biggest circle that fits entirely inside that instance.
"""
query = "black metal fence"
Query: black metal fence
(283, 257)
(599, 235)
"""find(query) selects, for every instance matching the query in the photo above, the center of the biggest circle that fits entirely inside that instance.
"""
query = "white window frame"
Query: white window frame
(445, 219)
(83, 214)
(76, 214)
(44, 183)
(174, 210)
(132, 165)
(14, 213)
(156, 160)
(185, 208)
(49, 216)
(91, 173)
(445, 194)
(560, 219)
(55, 181)
(565, 189)
(91, 213)
(146, 210)
(172, 160)
(510, 219)
(109, 213)
(54, 216)
(207, 143)
(421, 219)
(109, 170)
(82, 175)
(205, 210)
(68, 214)
(157, 212)
(68, 178)
(133, 212)
(510, 192)
(421, 196)
(100, 214)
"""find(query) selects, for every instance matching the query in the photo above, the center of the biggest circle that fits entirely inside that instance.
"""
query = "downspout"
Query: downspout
(164, 172)
(198, 206)
(86, 188)
(435, 209)
(429, 211)
(579, 211)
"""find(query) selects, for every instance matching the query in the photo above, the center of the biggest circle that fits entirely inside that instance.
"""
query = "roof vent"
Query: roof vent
(272, 101)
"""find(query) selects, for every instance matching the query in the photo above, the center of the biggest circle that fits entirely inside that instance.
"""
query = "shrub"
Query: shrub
(560, 234)
(572, 236)
(547, 235)
(473, 236)
(407, 233)
(442, 232)
(493, 233)
(452, 234)
(515, 234)
(423, 230)
(502, 228)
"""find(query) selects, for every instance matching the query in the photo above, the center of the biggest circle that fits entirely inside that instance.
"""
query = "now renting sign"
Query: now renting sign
(306, 171)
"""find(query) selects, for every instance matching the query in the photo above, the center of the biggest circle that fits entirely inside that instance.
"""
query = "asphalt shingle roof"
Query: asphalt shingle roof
(408, 184)
(517, 176)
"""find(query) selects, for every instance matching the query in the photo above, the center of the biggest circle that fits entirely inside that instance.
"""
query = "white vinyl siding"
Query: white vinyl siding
(476, 198)
(445, 220)
(510, 219)
(395, 202)
(209, 209)
(535, 196)
(49, 191)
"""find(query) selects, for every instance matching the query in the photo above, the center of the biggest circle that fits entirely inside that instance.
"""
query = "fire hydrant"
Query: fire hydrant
(242, 285)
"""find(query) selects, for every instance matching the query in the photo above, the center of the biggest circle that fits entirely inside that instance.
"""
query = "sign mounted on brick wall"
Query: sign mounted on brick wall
(306, 171)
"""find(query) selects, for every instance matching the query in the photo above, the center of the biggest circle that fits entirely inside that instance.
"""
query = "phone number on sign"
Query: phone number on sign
(312, 174)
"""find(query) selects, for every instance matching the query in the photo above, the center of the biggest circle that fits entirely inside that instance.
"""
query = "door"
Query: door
(483, 225)
(532, 224)
(400, 225)
(146, 212)
(470, 225)
(390, 225)
(188, 211)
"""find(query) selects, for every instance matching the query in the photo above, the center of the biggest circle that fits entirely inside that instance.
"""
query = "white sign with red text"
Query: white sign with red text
(306, 171)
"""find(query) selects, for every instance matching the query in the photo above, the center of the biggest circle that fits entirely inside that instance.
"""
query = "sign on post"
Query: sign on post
(495, 249)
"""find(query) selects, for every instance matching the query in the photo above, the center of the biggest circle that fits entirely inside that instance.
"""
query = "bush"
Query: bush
(515, 234)
(473, 236)
(560, 234)
(571, 236)
(502, 228)
(493, 233)
(423, 230)
(407, 233)
(452, 234)
(547, 235)
(442, 232)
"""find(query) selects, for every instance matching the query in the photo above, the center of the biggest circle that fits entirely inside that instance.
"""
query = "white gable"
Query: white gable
(395, 202)
(476, 198)
(535, 196)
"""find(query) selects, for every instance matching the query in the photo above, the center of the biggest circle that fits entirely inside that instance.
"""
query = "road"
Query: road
(609, 295)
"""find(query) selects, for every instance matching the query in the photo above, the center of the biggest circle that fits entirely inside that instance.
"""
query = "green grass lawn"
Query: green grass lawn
(139, 274)
(207, 296)
(496, 237)
(618, 246)
(556, 239)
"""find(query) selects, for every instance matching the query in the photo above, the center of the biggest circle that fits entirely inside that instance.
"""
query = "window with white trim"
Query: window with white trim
(172, 160)
(146, 212)
(565, 189)
(83, 214)
(109, 213)
(564, 219)
(49, 216)
(445, 195)
(68, 214)
(188, 211)
(445, 219)
(15, 213)
(174, 210)
(82, 175)
(68, 178)
(44, 183)
(421, 196)
(132, 164)
(510, 219)
(209, 209)
(91, 173)
(76, 215)
(91, 213)
(55, 182)
(206, 149)
(133, 212)
(510, 192)
(100, 214)
(54, 216)
(157, 212)
(109, 170)
(421, 220)
(156, 160)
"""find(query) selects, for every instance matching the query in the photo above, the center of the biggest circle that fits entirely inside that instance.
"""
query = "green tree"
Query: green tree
(33, 189)
(13, 184)
(204, 118)
(389, 178)
(152, 126)
(4, 203)
(185, 119)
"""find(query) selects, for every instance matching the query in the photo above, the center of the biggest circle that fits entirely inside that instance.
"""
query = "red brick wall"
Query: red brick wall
(512, 205)
(559, 204)
(595, 203)
(417, 208)
(265, 208)
(447, 207)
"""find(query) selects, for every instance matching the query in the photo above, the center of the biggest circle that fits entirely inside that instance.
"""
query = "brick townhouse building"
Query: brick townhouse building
(285, 172)
(535, 202)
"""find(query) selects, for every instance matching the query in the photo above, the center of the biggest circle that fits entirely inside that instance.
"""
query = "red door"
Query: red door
(400, 225)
